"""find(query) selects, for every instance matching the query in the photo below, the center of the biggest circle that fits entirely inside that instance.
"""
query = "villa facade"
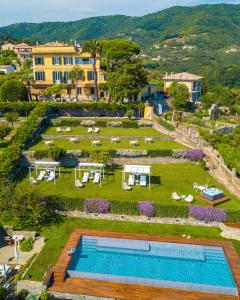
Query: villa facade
(53, 62)
(193, 83)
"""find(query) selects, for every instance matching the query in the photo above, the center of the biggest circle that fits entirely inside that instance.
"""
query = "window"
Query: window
(83, 61)
(39, 76)
(90, 75)
(92, 91)
(39, 61)
(68, 60)
(57, 77)
(56, 60)
(79, 90)
(69, 90)
(103, 77)
(66, 77)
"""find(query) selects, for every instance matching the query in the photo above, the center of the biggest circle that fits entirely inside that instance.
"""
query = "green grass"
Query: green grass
(82, 131)
(86, 145)
(166, 179)
(57, 237)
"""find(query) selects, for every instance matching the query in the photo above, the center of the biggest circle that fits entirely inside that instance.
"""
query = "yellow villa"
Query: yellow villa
(52, 64)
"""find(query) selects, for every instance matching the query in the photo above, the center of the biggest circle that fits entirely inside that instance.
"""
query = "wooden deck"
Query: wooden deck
(116, 290)
(213, 202)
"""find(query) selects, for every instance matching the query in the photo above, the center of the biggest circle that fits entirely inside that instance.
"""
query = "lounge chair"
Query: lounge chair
(189, 199)
(96, 178)
(32, 180)
(126, 187)
(176, 197)
(51, 176)
(96, 130)
(48, 143)
(78, 184)
(90, 130)
(68, 129)
(41, 176)
(131, 180)
(58, 129)
(143, 181)
(115, 140)
(85, 177)
(195, 186)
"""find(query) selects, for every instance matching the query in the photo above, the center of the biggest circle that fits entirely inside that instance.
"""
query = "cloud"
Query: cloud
(14, 11)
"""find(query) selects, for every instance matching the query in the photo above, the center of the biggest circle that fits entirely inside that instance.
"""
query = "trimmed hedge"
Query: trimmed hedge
(165, 124)
(129, 124)
(233, 216)
(160, 153)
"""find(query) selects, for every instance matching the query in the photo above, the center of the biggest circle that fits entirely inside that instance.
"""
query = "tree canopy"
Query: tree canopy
(180, 95)
(13, 91)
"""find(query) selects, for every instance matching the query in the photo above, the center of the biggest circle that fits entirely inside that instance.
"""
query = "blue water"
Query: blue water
(159, 262)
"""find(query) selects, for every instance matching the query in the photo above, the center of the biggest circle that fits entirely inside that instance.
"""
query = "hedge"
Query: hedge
(165, 124)
(23, 108)
(129, 124)
(160, 153)
(233, 216)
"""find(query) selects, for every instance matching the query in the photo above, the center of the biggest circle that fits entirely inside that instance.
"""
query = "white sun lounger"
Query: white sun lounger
(32, 180)
(96, 130)
(115, 140)
(68, 129)
(143, 180)
(131, 180)
(58, 129)
(85, 177)
(51, 176)
(189, 199)
(126, 187)
(48, 143)
(41, 176)
(96, 178)
(78, 184)
(90, 130)
(176, 197)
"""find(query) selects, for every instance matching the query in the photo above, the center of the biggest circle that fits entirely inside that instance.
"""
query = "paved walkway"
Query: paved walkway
(226, 232)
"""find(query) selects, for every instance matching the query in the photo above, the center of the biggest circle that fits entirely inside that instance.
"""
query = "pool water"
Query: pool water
(193, 267)
(213, 193)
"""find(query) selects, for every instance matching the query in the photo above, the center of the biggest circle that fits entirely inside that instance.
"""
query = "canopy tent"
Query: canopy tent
(92, 168)
(137, 170)
(46, 166)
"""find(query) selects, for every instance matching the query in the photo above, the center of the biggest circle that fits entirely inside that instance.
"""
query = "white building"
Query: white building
(7, 69)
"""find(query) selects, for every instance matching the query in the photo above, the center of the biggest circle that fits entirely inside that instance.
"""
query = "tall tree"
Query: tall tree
(28, 79)
(180, 95)
(76, 75)
(94, 48)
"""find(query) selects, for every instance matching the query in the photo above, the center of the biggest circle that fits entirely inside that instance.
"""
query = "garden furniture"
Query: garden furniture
(78, 184)
(189, 199)
(85, 177)
(176, 197)
(96, 143)
(126, 187)
(131, 180)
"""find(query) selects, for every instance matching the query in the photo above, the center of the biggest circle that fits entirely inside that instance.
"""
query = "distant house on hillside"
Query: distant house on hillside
(8, 46)
(193, 82)
(23, 51)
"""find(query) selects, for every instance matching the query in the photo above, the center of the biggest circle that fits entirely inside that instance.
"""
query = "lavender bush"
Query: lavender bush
(194, 154)
(207, 214)
(96, 206)
(146, 209)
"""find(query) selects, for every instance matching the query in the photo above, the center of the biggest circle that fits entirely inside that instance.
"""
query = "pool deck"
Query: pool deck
(115, 290)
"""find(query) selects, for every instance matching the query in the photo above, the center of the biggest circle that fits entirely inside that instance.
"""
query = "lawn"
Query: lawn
(166, 179)
(121, 132)
(86, 144)
(57, 236)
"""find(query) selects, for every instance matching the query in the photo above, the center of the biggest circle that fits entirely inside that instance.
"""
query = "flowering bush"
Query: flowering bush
(207, 214)
(131, 153)
(194, 154)
(88, 123)
(178, 154)
(146, 209)
(114, 124)
(144, 124)
(96, 206)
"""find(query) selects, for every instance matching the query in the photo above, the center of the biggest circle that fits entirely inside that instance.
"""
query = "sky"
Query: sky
(15, 11)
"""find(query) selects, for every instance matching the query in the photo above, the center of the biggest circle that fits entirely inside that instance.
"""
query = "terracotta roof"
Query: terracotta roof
(182, 76)
(22, 45)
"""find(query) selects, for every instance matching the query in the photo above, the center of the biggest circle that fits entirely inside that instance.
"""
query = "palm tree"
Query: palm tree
(94, 48)
(28, 79)
(75, 75)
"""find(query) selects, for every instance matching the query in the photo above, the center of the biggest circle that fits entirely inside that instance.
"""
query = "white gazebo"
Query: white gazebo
(137, 170)
(51, 166)
(92, 168)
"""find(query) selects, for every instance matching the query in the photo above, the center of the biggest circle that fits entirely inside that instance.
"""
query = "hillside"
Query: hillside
(195, 39)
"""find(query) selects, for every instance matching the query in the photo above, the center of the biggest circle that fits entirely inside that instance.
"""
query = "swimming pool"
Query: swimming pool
(171, 265)
(213, 193)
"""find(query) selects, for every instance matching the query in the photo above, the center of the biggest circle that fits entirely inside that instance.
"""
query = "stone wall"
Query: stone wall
(78, 297)
(34, 287)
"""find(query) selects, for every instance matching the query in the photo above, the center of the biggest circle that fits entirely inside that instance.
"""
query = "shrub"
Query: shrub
(56, 122)
(131, 153)
(160, 153)
(146, 209)
(114, 124)
(55, 152)
(13, 90)
(96, 206)
(22, 294)
(166, 125)
(4, 130)
(88, 123)
(233, 216)
(171, 211)
(39, 154)
(101, 123)
(178, 154)
(129, 124)
(71, 204)
(194, 154)
(26, 245)
(124, 207)
(3, 293)
(208, 214)
(144, 124)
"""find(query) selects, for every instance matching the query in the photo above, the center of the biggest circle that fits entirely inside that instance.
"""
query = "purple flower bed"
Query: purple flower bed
(207, 214)
(146, 209)
(194, 154)
(99, 206)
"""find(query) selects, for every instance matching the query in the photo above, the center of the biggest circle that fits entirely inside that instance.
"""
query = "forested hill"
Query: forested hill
(221, 21)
